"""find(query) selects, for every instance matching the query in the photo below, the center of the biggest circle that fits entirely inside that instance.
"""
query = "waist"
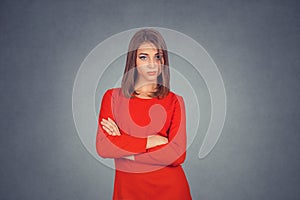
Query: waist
(130, 166)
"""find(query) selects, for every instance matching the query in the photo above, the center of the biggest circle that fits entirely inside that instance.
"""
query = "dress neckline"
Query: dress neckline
(144, 99)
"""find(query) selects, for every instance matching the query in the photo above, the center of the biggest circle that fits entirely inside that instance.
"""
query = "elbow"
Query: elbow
(105, 150)
(179, 160)
(102, 154)
(101, 150)
(102, 147)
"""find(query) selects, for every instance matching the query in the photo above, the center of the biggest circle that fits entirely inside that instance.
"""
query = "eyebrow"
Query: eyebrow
(143, 54)
(148, 54)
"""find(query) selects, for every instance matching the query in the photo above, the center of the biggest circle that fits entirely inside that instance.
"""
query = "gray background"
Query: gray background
(255, 44)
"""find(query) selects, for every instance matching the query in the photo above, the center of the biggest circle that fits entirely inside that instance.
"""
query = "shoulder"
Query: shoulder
(178, 102)
(175, 97)
(112, 92)
(173, 100)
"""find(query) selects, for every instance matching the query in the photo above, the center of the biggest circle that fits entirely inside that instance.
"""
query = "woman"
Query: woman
(142, 126)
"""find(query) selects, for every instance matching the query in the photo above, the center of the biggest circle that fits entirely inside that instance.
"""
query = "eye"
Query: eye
(142, 57)
(158, 56)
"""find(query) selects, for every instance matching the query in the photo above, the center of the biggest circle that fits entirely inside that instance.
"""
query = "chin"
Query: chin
(152, 79)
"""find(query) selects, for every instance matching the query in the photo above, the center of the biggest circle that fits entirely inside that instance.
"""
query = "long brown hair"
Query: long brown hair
(130, 73)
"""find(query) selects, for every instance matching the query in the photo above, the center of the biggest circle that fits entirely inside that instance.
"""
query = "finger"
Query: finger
(107, 127)
(112, 126)
(112, 121)
(109, 132)
(110, 129)
(115, 126)
(108, 124)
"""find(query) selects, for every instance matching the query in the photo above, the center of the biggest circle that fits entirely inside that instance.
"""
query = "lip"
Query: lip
(152, 73)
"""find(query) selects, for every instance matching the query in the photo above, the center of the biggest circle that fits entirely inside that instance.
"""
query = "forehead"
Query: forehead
(147, 47)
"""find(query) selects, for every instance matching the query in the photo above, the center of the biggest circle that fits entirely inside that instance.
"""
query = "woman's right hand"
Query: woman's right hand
(156, 140)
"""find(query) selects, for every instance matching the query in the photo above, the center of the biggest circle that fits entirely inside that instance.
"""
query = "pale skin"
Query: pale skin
(148, 63)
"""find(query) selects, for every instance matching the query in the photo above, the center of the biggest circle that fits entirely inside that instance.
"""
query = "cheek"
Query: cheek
(140, 69)
(138, 63)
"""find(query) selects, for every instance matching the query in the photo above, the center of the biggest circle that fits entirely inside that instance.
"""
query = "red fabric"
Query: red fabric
(155, 173)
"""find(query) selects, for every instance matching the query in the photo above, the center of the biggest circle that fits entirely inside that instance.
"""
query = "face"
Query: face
(148, 62)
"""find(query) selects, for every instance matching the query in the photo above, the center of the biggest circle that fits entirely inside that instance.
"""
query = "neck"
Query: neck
(145, 88)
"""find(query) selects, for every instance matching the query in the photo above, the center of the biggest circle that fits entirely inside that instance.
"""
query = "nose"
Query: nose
(152, 63)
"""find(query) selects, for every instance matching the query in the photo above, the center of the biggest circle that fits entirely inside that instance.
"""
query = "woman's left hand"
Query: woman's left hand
(110, 127)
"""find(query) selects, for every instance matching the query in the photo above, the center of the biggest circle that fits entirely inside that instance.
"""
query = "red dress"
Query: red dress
(156, 173)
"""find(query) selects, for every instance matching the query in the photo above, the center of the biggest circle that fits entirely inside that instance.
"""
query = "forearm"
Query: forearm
(171, 154)
(131, 145)
(119, 146)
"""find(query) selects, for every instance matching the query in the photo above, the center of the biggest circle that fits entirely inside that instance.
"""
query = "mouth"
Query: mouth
(151, 73)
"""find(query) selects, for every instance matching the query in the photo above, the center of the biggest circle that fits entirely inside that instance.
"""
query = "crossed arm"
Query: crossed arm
(111, 142)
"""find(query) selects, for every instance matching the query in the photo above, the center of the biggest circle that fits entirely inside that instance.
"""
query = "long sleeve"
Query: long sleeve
(115, 146)
(174, 152)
